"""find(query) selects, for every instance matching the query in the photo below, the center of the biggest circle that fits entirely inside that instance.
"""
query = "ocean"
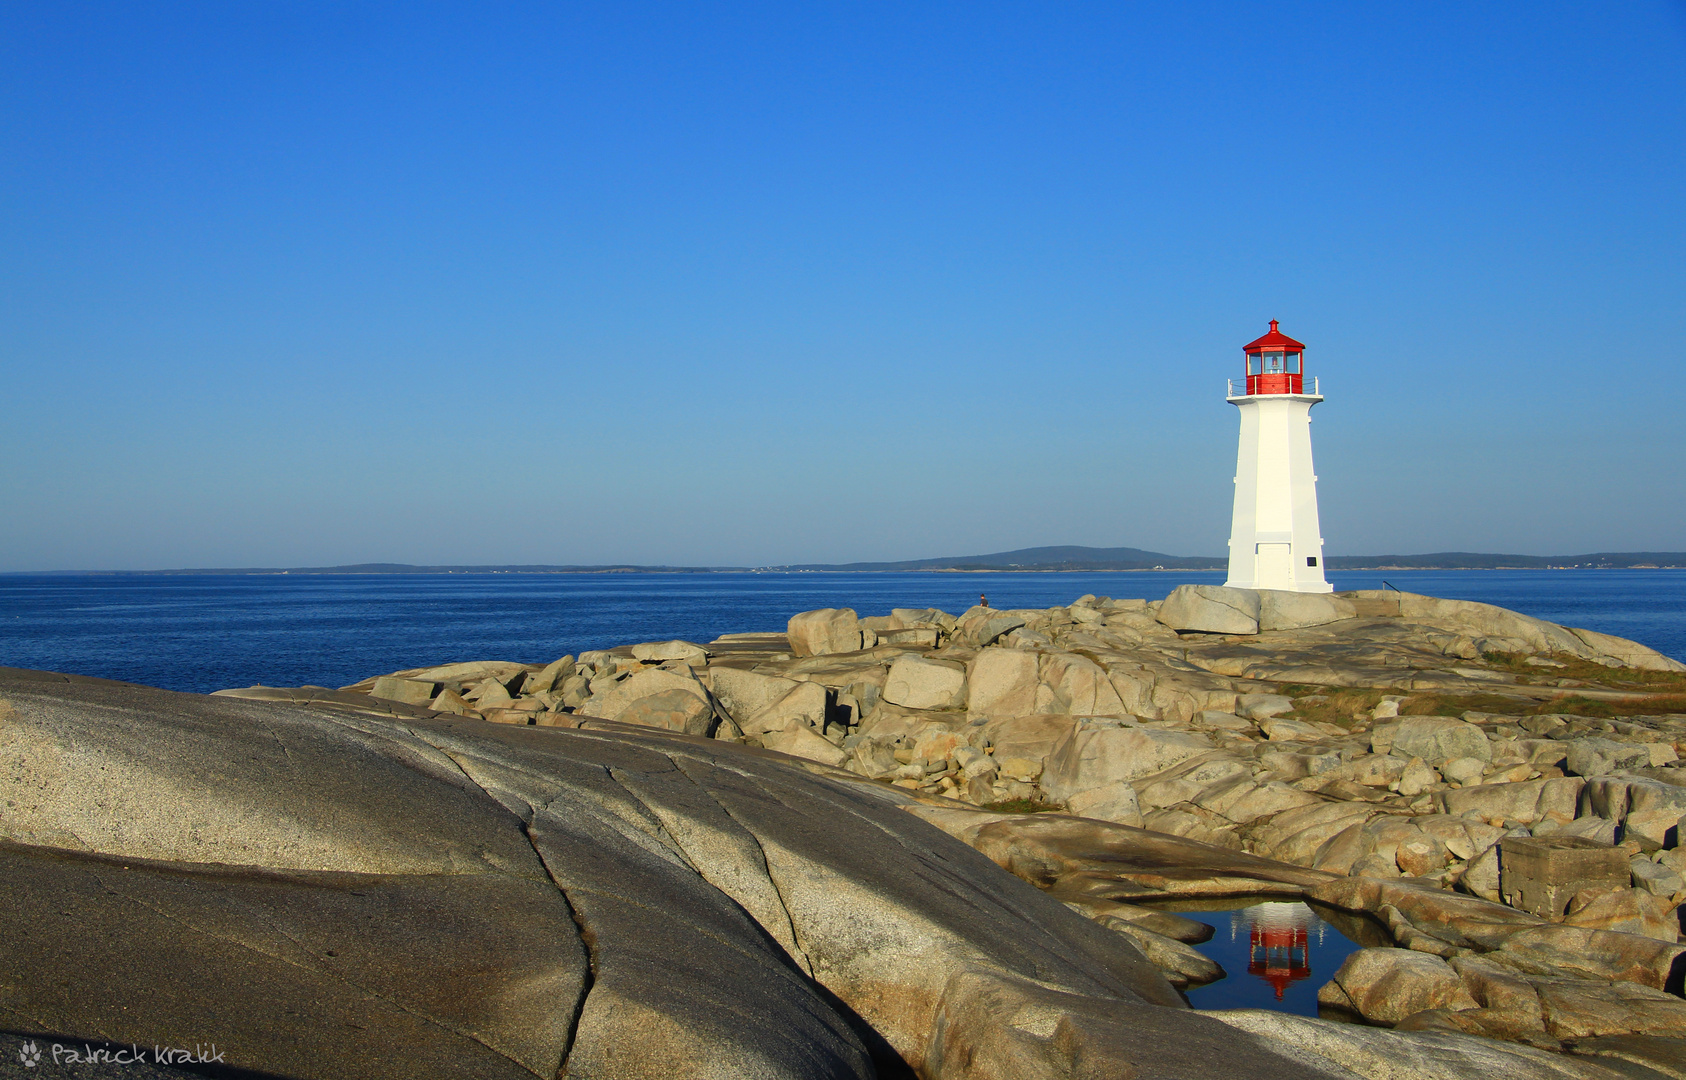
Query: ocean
(203, 633)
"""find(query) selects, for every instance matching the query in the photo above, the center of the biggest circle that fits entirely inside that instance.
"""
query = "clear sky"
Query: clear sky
(302, 284)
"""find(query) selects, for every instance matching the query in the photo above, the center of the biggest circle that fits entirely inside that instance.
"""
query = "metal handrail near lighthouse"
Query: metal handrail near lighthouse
(1275, 540)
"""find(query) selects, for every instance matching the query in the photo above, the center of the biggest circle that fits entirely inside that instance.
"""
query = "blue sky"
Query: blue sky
(301, 284)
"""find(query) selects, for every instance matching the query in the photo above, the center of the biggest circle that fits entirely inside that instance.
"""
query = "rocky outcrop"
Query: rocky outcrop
(1366, 751)
(380, 897)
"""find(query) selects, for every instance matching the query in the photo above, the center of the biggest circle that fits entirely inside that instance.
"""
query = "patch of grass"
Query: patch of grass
(1581, 670)
(1569, 704)
(1439, 703)
(1339, 706)
(1021, 806)
(1649, 705)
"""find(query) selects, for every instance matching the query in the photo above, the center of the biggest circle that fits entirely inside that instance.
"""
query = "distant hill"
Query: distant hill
(1088, 558)
(1040, 559)
(406, 568)
(1467, 560)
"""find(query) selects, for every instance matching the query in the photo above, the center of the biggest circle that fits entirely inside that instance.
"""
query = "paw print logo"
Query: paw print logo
(30, 1055)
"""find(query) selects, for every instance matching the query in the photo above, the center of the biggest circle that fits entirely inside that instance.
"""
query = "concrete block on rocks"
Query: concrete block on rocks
(1541, 874)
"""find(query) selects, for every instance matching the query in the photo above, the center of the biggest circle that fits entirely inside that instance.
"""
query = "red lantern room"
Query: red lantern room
(1274, 365)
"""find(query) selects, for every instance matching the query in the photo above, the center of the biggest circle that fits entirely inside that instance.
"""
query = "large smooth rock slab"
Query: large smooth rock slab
(1094, 754)
(1378, 1054)
(446, 884)
(1212, 609)
(1628, 652)
(1280, 610)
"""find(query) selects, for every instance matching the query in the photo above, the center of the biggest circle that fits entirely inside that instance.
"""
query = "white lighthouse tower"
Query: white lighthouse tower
(1274, 540)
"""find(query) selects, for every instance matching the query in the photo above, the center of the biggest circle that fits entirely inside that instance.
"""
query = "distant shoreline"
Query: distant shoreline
(539, 571)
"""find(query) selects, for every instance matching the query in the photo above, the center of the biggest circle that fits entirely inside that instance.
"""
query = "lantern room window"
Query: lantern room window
(1274, 364)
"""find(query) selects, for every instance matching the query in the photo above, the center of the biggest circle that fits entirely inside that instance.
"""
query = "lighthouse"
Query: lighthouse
(1274, 540)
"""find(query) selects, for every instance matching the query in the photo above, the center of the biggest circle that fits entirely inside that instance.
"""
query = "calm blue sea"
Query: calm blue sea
(211, 632)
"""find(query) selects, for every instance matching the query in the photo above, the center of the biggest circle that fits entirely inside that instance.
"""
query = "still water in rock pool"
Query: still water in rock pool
(1275, 954)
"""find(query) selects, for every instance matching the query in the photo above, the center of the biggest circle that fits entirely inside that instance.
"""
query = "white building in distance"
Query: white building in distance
(1274, 539)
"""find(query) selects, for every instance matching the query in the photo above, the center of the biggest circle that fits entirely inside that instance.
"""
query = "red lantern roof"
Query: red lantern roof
(1275, 341)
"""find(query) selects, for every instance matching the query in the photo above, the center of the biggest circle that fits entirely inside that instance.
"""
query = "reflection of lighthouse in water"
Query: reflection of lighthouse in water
(1278, 941)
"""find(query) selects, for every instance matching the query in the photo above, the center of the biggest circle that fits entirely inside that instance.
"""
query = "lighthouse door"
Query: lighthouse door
(1275, 567)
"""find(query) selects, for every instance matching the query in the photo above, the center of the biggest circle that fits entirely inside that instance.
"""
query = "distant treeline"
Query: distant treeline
(1039, 559)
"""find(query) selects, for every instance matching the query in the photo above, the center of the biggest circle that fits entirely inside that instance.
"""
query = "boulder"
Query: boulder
(1387, 985)
(1463, 770)
(918, 682)
(1096, 753)
(1523, 803)
(1211, 609)
(1242, 800)
(1280, 610)
(1074, 684)
(1370, 770)
(1115, 802)
(1263, 706)
(1032, 737)
(660, 652)
(1628, 911)
(489, 693)
(616, 699)
(745, 693)
(550, 677)
(827, 630)
(1601, 757)
(1438, 739)
(803, 706)
(1653, 814)
(674, 710)
(801, 741)
(1001, 682)
(1656, 879)
(409, 691)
